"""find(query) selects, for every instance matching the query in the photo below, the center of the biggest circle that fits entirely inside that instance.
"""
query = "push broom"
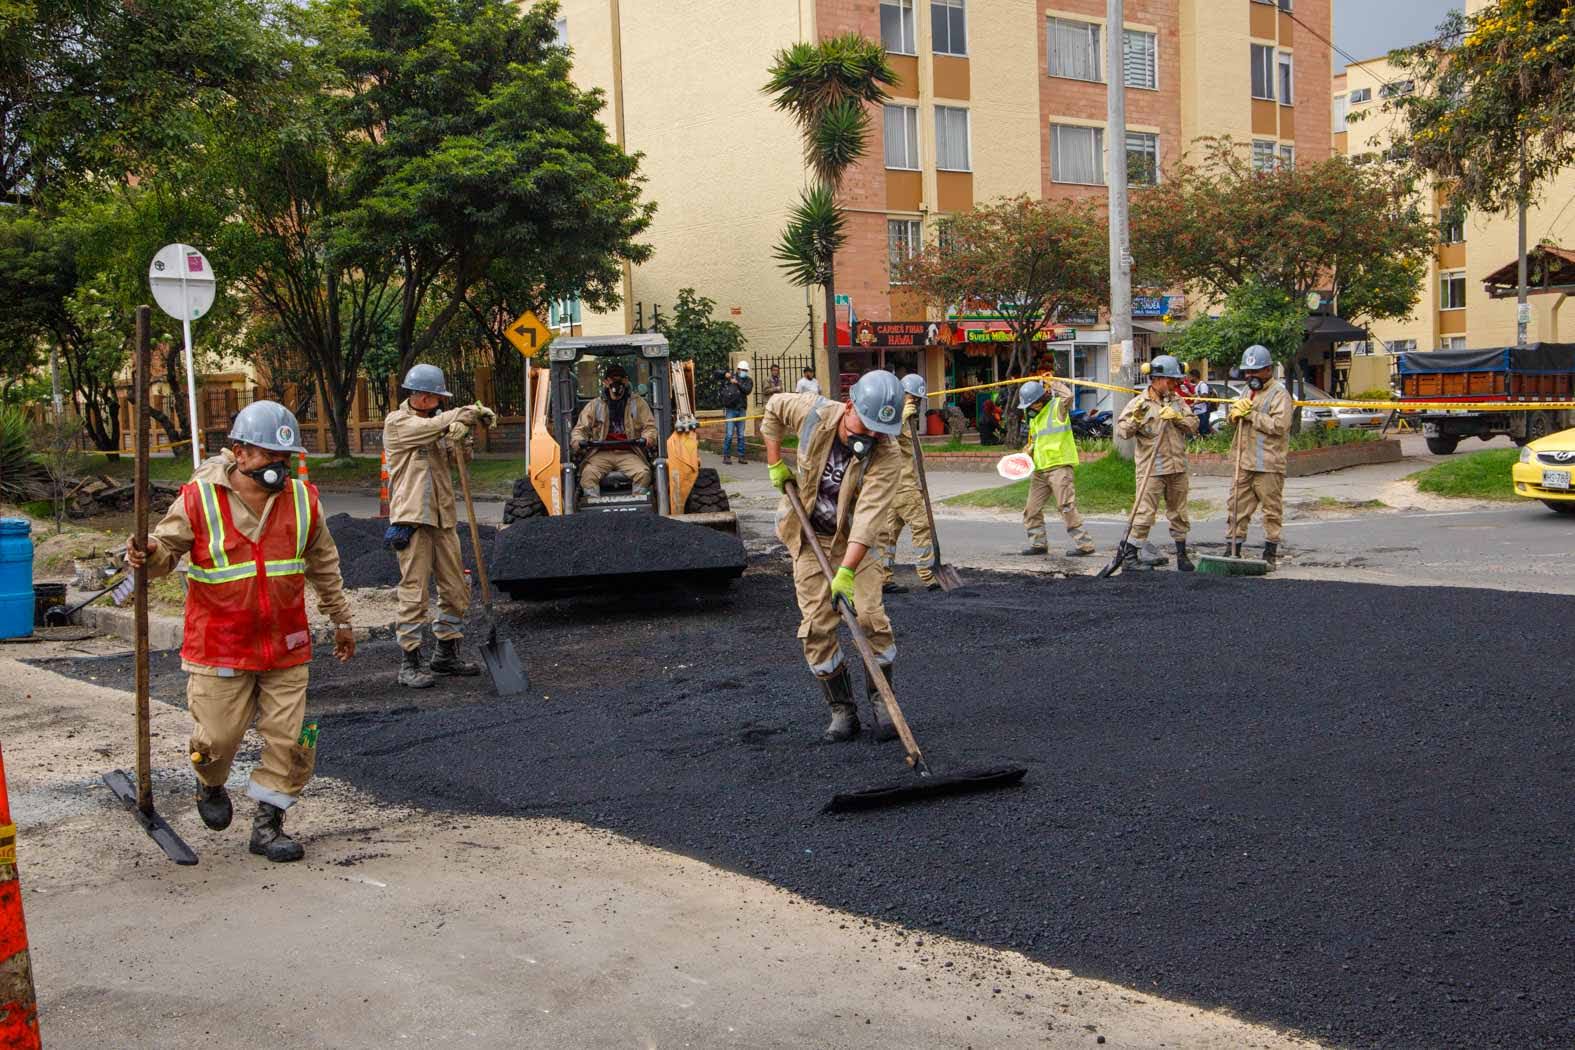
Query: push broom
(925, 784)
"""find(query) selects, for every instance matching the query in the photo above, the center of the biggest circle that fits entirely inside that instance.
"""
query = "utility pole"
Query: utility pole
(1522, 307)
(1116, 180)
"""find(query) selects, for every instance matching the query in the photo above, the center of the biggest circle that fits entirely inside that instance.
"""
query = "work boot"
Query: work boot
(268, 837)
(1128, 554)
(885, 728)
(742, 460)
(1271, 553)
(1082, 545)
(844, 712)
(213, 806)
(446, 660)
(1183, 563)
(728, 460)
(411, 673)
(1149, 557)
(1035, 549)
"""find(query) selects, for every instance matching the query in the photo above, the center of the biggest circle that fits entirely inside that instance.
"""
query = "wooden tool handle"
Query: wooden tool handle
(924, 487)
(475, 533)
(860, 642)
(1142, 487)
(140, 530)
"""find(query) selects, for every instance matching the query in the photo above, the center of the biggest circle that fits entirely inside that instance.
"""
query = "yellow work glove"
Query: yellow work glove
(842, 587)
(485, 416)
(779, 474)
(1241, 408)
(910, 410)
(1172, 413)
(1140, 413)
(458, 432)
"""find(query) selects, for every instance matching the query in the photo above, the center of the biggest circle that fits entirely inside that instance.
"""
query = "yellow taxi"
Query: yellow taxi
(1544, 471)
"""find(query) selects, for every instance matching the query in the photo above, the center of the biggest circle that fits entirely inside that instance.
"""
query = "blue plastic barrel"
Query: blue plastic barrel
(16, 578)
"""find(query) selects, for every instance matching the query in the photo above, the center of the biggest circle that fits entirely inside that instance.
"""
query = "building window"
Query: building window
(948, 27)
(1402, 346)
(1360, 95)
(903, 238)
(564, 313)
(1142, 158)
(1338, 111)
(896, 27)
(1074, 49)
(1077, 155)
(902, 137)
(1455, 342)
(1285, 5)
(1287, 156)
(1399, 87)
(1263, 71)
(1262, 155)
(560, 33)
(1287, 85)
(1139, 57)
(1452, 290)
(951, 139)
(1451, 230)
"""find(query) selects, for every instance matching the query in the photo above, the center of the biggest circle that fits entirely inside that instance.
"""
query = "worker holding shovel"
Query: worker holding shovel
(1262, 438)
(1160, 422)
(907, 507)
(1054, 449)
(849, 467)
(256, 538)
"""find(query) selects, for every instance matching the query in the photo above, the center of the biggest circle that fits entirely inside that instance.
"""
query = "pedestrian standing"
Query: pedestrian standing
(1054, 448)
(1260, 443)
(1202, 407)
(848, 470)
(736, 388)
(256, 538)
(907, 509)
(807, 383)
(1159, 421)
(421, 443)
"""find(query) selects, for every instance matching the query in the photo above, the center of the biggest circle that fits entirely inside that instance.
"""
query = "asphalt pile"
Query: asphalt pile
(599, 548)
(365, 563)
(1337, 808)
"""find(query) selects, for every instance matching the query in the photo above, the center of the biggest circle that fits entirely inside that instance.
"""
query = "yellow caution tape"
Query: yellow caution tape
(7, 843)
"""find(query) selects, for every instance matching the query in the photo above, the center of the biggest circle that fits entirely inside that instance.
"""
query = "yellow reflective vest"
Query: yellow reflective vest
(1051, 432)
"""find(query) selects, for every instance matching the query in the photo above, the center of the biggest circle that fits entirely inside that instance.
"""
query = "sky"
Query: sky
(1369, 28)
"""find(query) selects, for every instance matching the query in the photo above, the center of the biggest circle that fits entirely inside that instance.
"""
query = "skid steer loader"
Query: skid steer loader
(557, 539)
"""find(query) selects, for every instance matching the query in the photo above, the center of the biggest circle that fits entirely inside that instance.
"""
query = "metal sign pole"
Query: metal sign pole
(191, 392)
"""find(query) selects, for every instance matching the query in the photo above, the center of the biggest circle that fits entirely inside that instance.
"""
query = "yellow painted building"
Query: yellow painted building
(996, 98)
(1454, 312)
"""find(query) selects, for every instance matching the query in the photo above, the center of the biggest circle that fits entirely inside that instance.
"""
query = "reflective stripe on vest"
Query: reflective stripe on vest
(222, 571)
(1054, 445)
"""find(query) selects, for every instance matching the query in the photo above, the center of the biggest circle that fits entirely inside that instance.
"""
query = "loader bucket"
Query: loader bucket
(592, 552)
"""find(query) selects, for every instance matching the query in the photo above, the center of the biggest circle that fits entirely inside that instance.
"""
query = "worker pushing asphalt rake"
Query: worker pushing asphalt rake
(926, 784)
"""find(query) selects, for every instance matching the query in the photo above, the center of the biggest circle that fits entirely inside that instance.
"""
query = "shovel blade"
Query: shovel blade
(947, 577)
(158, 829)
(1109, 570)
(503, 665)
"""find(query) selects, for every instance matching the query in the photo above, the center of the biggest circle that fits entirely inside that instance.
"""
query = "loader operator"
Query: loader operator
(1160, 421)
(847, 476)
(907, 509)
(256, 538)
(1262, 418)
(618, 415)
(421, 443)
(1054, 448)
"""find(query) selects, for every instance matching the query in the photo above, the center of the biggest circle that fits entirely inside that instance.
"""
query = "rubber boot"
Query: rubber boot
(885, 729)
(1129, 556)
(1183, 563)
(844, 712)
(1271, 552)
(268, 837)
(411, 673)
(213, 806)
(446, 660)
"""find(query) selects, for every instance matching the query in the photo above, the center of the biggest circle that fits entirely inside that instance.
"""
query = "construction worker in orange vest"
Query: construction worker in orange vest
(256, 538)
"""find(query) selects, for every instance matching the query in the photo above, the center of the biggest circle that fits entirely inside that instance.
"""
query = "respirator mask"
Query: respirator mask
(617, 391)
(1255, 383)
(861, 445)
(271, 476)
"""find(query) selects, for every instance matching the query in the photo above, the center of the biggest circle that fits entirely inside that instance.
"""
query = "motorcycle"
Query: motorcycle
(1087, 424)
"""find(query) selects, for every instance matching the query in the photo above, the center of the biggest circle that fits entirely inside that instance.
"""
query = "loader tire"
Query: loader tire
(708, 496)
(525, 503)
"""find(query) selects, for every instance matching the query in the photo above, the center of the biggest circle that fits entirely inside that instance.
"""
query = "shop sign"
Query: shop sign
(1158, 305)
(902, 335)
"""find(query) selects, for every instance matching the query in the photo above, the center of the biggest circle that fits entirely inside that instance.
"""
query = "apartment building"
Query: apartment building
(1455, 310)
(996, 98)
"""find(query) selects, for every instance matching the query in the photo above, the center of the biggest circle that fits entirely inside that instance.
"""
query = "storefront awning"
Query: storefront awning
(1330, 329)
(1549, 269)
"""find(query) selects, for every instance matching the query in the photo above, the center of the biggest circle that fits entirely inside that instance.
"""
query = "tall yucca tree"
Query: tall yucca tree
(827, 88)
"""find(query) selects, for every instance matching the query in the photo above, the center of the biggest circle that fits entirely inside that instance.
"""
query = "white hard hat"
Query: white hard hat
(267, 424)
(743, 366)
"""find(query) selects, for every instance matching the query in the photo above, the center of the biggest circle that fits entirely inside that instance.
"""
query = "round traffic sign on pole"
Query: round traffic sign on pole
(183, 286)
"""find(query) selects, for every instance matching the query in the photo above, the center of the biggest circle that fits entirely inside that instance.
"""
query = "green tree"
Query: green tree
(712, 344)
(827, 88)
(1253, 313)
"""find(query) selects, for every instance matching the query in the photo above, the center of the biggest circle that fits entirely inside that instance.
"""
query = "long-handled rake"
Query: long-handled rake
(945, 575)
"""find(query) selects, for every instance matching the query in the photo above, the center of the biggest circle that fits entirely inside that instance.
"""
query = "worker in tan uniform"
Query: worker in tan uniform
(1159, 421)
(256, 538)
(422, 439)
(619, 415)
(1262, 437)
(907, 508)
(849, 468)
(1054, 449)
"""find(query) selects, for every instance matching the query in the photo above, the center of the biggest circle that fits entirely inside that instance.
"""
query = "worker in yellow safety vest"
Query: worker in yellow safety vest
(1054, 450)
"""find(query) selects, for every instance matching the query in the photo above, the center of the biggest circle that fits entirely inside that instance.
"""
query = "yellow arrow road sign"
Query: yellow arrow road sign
(528, 334)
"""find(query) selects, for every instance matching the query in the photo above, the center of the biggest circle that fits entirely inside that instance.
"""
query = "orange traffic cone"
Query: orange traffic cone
(301, 471)
(18, 1002)
(382, 491)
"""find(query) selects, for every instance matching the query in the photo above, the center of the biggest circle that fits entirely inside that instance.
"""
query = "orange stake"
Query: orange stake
(382, 491)
(18, 1002)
